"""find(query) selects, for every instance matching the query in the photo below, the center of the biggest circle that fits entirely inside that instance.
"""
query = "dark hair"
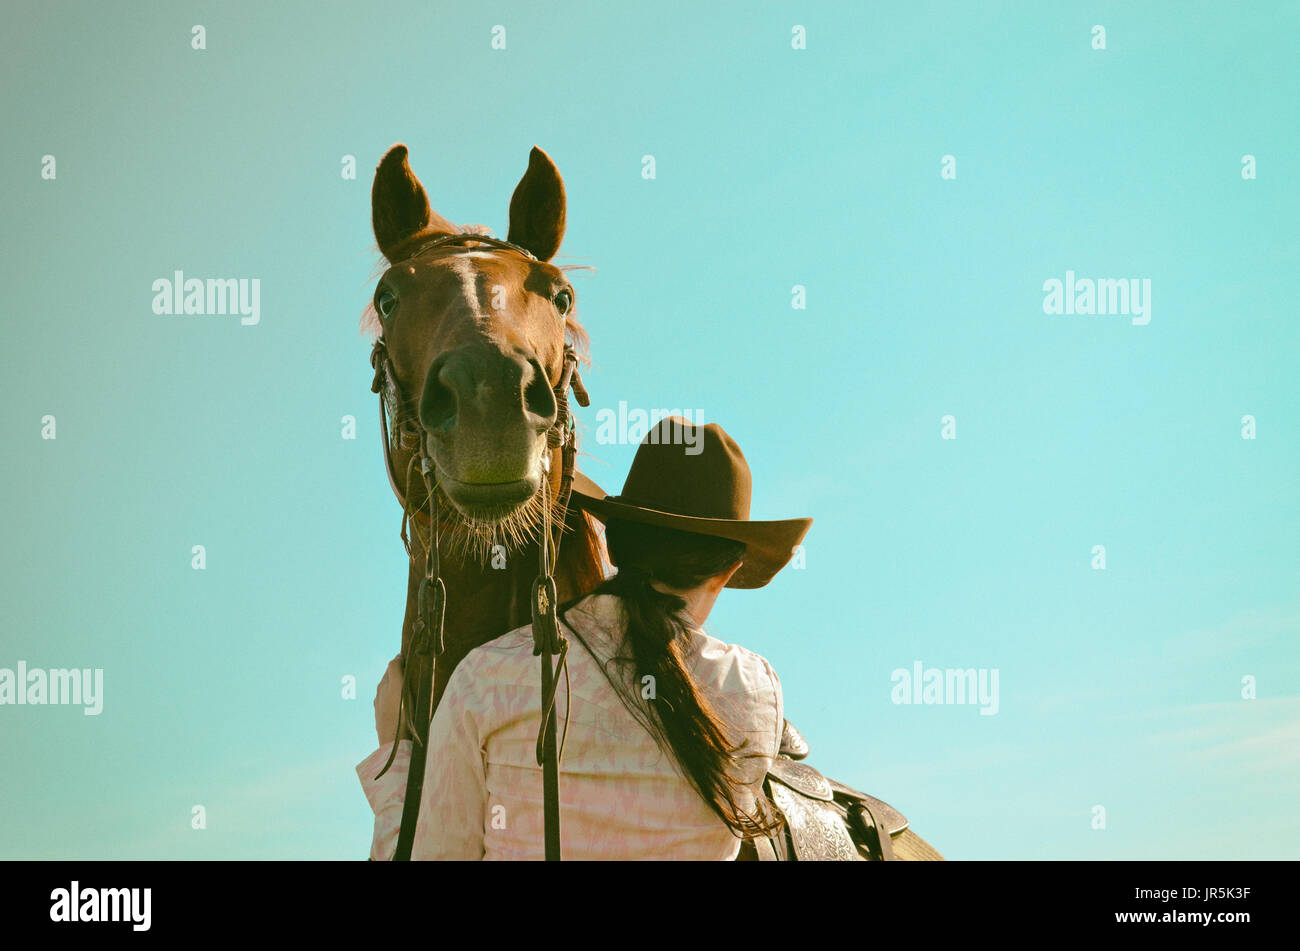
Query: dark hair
(680, 717)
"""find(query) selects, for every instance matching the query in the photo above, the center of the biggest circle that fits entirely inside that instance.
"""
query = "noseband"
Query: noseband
(427, 630)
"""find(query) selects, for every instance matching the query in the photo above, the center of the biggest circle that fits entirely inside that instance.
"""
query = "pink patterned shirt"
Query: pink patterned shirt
(620, 796)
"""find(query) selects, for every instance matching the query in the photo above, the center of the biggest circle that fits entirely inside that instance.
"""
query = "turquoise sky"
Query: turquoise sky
(776, 167)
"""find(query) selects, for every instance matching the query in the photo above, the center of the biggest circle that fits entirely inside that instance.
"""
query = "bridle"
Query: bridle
(427, 630)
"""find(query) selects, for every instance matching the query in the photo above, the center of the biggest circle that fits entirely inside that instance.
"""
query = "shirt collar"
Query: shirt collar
(606, 612)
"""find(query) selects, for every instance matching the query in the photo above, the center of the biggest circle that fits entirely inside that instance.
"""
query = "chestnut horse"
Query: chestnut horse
(475, 335)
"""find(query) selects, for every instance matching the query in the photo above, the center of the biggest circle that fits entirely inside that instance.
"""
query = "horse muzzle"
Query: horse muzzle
(486, 414)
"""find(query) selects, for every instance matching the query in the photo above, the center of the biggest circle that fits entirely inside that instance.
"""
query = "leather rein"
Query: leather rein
(427, 643)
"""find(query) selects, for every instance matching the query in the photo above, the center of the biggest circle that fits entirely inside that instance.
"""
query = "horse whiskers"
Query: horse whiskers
(467, 539)
(464, 537)
(470, 538)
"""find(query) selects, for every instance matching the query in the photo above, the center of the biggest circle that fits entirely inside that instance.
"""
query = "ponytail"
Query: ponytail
(678, 716)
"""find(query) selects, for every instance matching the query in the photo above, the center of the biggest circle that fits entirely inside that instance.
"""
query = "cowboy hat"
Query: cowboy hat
(695, 479)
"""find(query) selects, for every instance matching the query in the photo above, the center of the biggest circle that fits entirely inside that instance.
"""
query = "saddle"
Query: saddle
(824, 820)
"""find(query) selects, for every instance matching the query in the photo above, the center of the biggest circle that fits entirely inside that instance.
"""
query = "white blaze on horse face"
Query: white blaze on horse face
(469, 284)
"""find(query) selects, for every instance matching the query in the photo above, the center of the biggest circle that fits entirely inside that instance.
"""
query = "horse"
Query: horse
(476, 342)
(476, 339)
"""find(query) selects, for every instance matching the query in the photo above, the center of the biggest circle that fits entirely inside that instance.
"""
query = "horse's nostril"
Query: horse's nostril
(472, 390)
(438, 401)
(539, 397)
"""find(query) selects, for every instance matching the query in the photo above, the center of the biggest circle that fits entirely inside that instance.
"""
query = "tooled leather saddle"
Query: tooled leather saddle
(824, 820)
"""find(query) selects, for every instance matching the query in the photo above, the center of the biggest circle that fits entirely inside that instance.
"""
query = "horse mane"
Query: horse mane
(583, 554)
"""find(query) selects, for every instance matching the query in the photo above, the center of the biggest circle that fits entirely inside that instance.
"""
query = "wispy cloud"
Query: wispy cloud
(1243, 631)
(1244, 735)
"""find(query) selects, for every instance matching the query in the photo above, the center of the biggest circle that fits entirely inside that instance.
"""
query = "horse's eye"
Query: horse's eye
(385, 302)
(564, 301)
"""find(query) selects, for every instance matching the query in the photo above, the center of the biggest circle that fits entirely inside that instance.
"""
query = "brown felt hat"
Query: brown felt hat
(695, 479)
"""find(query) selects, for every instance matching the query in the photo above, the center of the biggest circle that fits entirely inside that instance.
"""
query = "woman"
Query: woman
(669, 730)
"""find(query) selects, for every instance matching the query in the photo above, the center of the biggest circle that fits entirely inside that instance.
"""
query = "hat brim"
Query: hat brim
(582, 485)
(769, 544)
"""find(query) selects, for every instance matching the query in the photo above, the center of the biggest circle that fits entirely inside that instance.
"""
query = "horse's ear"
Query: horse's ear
(399, 206)
(537, 207)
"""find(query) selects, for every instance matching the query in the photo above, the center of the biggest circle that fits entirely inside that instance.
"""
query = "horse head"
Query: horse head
(476, 332)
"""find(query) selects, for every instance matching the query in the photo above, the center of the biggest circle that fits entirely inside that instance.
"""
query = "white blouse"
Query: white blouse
(621, 797)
